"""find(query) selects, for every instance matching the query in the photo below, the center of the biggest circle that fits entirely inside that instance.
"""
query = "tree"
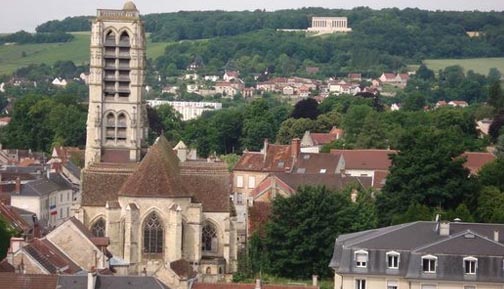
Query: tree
(6, 232)
(413, 102)
(171, 121)
(424, 73)
(306, 108)
(492, 174)
(294, 128)
(426, 170)
(491, 205)
(301, 231)
(495, 96)
(495, 127)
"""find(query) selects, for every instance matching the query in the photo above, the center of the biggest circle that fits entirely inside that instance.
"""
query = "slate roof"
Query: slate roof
(417, 239)
(107, 282)
(41, 187)
(334, 182)
(366, 159)
(73, 169)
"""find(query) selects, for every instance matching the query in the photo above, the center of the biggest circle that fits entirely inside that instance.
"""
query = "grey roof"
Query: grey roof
(41, 187)
(73, 169)
(417, 239)
(110, 282)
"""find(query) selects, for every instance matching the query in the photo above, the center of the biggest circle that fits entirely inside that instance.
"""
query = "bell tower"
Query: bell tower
(117, 120)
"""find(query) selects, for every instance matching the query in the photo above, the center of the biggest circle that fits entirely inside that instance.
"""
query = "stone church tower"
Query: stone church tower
(161, 216)
(116, 125)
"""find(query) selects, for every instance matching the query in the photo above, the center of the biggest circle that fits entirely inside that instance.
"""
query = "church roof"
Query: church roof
(102, 181)
(157, 175)
(129, 6)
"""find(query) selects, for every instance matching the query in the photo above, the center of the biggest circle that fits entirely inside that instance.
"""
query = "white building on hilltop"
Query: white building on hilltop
(329, 25)
(188, 109)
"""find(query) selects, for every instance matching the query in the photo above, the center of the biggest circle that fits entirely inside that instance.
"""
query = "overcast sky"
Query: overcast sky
(27, 14)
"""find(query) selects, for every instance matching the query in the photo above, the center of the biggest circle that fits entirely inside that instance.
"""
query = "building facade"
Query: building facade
(421, 255)
(329, 24)
(116, 124)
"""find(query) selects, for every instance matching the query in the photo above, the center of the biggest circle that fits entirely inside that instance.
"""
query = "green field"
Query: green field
(13, 57)
(479, 65)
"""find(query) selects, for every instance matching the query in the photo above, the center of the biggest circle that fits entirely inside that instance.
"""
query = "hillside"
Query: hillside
(478, 65)
(13, 57)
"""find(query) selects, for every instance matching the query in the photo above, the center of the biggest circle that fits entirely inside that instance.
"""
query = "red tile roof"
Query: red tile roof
(52, 259)
(246, 286)
(322, 138)
(27, 281)
(476, 160)
(368, 159)
(278, 159)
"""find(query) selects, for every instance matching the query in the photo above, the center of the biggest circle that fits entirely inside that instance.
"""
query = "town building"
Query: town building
(312, 142)
(329, 25)
(188, 109)
(421, 255)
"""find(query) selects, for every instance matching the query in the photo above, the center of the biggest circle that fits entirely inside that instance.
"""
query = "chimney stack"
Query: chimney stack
(258, 284)
(496, 236)
(18, 185)
(295, 147)
(265, 149)
(444, 229)
(314, 280)
(91, 278)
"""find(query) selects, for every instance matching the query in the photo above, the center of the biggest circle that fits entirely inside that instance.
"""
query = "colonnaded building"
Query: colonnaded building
(165, 218)
(329, 25)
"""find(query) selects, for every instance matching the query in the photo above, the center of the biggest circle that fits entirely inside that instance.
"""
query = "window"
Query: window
(68, 211)
(393, 260)
(239, 198)
(209, 238)
(61, 198)
(361, 258)
(429, 264)
(391, 284)
(153, 234)
(251, 182)
(98, 228)
(239, 181)
(323, 171)
(360, 284)
(470, 265)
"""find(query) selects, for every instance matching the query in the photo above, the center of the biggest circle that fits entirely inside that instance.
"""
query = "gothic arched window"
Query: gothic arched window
(110, 127)
(209, 241)
(110, 37)
(124, 38)
(98, 228)
(121, 127)
(153, 234)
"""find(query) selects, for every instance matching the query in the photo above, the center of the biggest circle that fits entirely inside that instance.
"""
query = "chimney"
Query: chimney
(144, 272)
(18, 186)
(314, 280)
(91, 278)
(295, 147)
(36, 227)
(496, 236)
(444, 229)
(258, 284)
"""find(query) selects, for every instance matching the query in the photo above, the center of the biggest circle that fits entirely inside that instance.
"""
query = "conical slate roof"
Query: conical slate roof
(157, 175)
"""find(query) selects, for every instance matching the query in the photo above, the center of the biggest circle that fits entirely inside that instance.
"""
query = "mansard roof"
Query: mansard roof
(157, 175)
(414, 240)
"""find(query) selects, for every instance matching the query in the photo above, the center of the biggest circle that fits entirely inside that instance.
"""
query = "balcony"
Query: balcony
(110, 66)
(109, 55)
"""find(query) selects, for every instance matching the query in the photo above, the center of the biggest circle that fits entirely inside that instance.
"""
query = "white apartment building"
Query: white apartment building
(188, 109)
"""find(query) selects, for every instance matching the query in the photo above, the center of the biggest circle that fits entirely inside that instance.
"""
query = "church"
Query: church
(164, 217)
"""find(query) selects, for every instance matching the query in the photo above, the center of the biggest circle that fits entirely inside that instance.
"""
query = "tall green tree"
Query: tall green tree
(426, 170)
(302, 229)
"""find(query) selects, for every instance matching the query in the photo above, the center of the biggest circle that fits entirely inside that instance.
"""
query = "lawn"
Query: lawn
(479, 65)
(13, 57)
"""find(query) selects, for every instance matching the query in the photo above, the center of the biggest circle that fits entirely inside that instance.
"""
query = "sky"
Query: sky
(25, 15)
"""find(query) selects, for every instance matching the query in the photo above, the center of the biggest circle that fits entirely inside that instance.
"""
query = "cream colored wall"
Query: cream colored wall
(380, 282)
(31, 266)
(77, 246)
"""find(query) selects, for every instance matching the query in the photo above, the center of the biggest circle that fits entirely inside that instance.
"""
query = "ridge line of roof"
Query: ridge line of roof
(400, 227)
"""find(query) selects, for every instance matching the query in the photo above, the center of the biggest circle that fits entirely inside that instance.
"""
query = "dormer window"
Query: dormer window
(361, 258)
(393, 260)
(470, 265)
(429, 264)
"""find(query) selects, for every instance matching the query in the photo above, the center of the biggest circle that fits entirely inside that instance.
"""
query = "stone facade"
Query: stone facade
(116, 125)
(329, 25)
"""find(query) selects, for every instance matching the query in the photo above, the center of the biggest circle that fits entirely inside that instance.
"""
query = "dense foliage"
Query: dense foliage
(299, 237)
(23, 37)
(69, 24)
